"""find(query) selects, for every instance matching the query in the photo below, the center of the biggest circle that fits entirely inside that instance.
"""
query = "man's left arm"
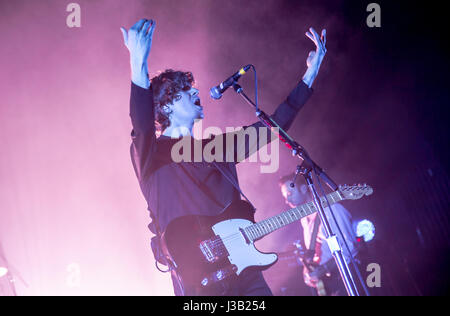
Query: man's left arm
(286, 112)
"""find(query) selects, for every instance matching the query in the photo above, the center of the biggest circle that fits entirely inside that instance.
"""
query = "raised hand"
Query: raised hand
(138, 40)
(315, 58)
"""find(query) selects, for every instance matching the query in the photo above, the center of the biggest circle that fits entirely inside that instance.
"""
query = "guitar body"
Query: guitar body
(208, 249)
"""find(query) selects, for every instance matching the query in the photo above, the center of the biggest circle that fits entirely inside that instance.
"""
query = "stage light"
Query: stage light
(3, 271)
(365, 229)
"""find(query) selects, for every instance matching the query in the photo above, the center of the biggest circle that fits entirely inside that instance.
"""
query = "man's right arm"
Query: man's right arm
(138, 41)
(143, 134)
(139, 75)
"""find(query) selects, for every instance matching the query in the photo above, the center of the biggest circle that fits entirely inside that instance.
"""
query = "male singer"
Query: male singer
(171, 102)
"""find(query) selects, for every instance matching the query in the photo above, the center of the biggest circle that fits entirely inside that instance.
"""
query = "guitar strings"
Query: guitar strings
(263, 229)
(219, 242)
(299, 213)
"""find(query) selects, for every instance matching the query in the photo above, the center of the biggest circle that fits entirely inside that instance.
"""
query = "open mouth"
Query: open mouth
(198, 104)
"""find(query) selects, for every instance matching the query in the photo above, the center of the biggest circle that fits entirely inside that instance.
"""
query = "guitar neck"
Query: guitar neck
(271, 224)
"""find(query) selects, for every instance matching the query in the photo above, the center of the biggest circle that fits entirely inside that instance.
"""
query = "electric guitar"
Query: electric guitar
(208, 249)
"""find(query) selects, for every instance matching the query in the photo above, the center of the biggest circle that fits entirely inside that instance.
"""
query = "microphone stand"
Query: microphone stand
(306, 168)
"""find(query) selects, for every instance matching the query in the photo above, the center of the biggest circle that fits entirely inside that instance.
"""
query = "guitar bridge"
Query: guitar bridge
(213, 249)
(205, 247)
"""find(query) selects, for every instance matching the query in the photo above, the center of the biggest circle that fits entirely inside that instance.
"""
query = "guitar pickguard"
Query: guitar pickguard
(241, 253)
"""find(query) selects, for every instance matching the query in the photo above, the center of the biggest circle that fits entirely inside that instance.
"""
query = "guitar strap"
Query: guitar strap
(161, 256)
(157, 241)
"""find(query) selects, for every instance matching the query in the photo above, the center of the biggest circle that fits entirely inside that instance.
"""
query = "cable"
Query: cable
(256, 86)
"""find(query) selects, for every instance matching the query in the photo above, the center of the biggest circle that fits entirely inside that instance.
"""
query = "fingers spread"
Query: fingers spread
(310, 36)
(318, 40)
(152, 29)
(145, 27)
(139, 24)
(313, 32)
(125, 35)
(324, 36)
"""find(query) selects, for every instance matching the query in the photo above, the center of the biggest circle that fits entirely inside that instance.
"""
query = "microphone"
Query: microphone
(216, 92)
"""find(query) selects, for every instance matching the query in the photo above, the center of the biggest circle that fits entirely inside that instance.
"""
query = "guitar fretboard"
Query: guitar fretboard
(271, 224)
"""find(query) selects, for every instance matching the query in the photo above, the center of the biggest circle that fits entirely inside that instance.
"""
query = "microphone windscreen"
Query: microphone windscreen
(215, 93)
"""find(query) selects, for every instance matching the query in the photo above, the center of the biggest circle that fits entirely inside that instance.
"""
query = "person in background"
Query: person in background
(319, 268)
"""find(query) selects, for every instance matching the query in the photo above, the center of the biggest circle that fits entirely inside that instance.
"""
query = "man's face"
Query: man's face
(186, 107)
(294, 196)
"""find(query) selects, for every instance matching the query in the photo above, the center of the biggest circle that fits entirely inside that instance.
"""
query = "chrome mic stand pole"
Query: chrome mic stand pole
(307, 166)
(331, 238)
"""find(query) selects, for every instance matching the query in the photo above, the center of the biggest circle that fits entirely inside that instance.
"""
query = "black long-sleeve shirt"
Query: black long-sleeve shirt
(185, 188)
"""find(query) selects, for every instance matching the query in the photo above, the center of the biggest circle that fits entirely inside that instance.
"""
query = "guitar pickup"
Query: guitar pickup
(213, 249)
(205, 247)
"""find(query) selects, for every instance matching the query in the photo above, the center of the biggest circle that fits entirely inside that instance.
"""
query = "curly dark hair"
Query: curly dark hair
(165, 87)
